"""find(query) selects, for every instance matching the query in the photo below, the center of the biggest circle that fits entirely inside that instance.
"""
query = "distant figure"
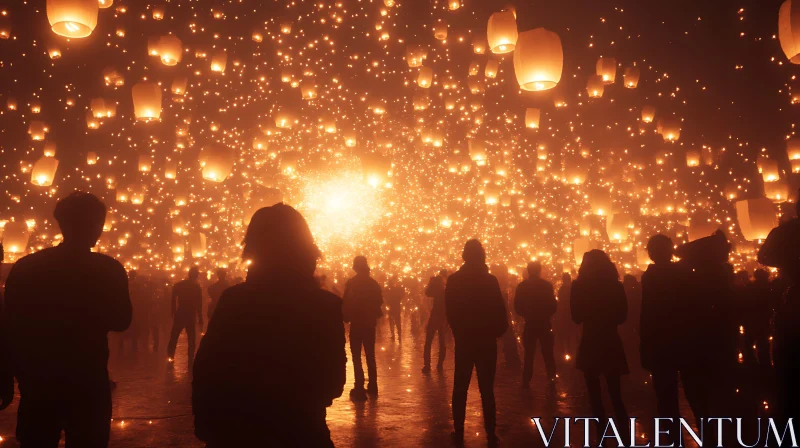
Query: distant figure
(477, 315)
(535, 301)
(781, 249)
(566, 332)
(394, 299)
(6, 372)
(756, 314)
(598, 302)
(662, 339)
(437, 321)
(361, 307)
(273, 358)
(61, 302)
(216, 289)
(187, 311)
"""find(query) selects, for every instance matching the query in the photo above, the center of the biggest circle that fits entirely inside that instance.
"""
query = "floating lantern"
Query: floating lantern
(15, 237)
(72, 18)
(308, 91)
(179, 86)
(198, 245)
(670, 129)
(218, 165)
(474, 68)
(145, 163)
(501, 32)
(692, 158)
(425, 77)
(631, 77)
(91, 158)
(479, 45)
(756, 218)
(158, 12)
(491, 69)
(793, 148)
(146, 101)
(103, 4)
(618, 227)
(777, 191)
(289, 161)
(11, 104)
(452, 5)
(595, 86)
(648, 114)
(532, 116)
(49, 149)
(36, 106)
(440, 31)
(54, 53)
(607, 69)
(37, 129)
(538, 60)
(789, 30)
(257, 36)
(170, 50)
(219, 61)
(44, 171)
(769, 169)
(415, 55)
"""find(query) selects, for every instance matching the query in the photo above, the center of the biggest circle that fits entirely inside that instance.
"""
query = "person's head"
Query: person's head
(659, 248)
(596, 265)
(534, 269)
(222, 274)
(80, 217)
(360, 265)
(761, 276)
(194, 273)
(473, 252)
(443, 273)
(278, 241)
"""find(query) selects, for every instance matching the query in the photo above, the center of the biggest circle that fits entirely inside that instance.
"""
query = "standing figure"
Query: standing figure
(535, 301)
(394, 299)
(187, 310)
(437, 321)
(273, 358)
(6, 373)
(61, 303)
(361, 307)
(598, 303)
(477, 315)
(662, 337)
(216, 289)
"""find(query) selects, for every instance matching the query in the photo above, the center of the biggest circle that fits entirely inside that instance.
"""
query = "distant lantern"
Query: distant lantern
(708, 155)
(692, 158)
(158, 12)
(260, 143)
(477, 152)
(415, 55)
(350, 140)
(198, 245)
(631, 77)
(91, 158)
(72, 18)
(286, 27)
(595, 86)
(769, 170)
(308, 91)
(474, 68)
(538, 60)
(218, 165)
(425, 77)
(15, 237)
(11, 103)
(36, 106)
(420, 101)
(756, 218)
(648, 114)
(37, 130)
(453, 4)
(179, 85)
(618, 227)
(49, 149)
(283, 120)
(670, 129)
(288, 162)
(777, 191)
(793, 148)
(103, 4)
(532, 116)
(440, 31)
(257, 36)
(91, 121)
(789, 30)
(492, 66)
(170, 169)
(479, 45)
(54, 53)
(218, 61)
(44, 171)
(501, 32)
(145, 163)
(607, 69)
(170, 50)
(146, 101)
(601, 202)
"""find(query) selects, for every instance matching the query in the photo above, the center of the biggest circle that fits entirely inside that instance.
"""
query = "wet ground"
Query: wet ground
(152, 406)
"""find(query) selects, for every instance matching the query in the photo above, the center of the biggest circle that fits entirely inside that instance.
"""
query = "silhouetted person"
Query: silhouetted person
(598, 302)
(361, 307)
(61, 302)
(187, 311)
(477, 316)
(757, 309)
(661, 330)
(566, 332)
(394, 300)
(781, 249)
(535, 301)
(273, 358)
(6, 372)
(216, 288)
(437, 321)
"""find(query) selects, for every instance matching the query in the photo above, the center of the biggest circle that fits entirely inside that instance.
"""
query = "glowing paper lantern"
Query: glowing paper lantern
(793, 148)
(491, 68)
(769, 169)
(648, 114)
(198, 245)
(11, 104)
(532, 116)
(595, 86)
(538, 60)
(218, 166)
(44, 171)
(789, 30)
(72, 18)
(670, 129)
(91, 158)
(170, 50)
(219, 61)
(479, 45)
(474, 68)
(308, 91)
(37, 130)
(145, 163)
(607, 69)
(49, 149)
(777, 191)
(146, 101)
(103, 4)
(440, 31)
(631, 77)
(54, 53)
(601, 202)
(425, 77)
(179, 85)
(692, 158)
(15, 237)
(756, 218)
(415, 55)
(501, 32)
(618, 227)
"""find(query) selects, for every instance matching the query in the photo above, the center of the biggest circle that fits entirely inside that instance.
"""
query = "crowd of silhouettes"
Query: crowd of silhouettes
(273, 357)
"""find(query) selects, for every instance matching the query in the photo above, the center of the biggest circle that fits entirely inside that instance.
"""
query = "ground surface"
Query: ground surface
(152, 406)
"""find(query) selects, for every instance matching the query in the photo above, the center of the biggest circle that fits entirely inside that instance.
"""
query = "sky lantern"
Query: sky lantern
(670, 129)
(284, 120)
(11, 103)
(477, 152)
(308, 91)
(170, 169)
(54, 52)
(103, 4)
(492, 66)
(501, 32)
(692, 158)
(479, 45)
(15, 237)
(158, 12)
(179, 87)
(777, 191)
(648, 114)
(415, 55)
(532, 116)
(793, 149)
(288, 162)
(218, 61)
(789, 30)
(452, 5)
(756, 218)
(606, 68)
(36, 106)
(601, 202)
(538, 60)
(474, 68)
(218, 166)
(72, 18)
(49, 149)
(170, 50)
(146, 101)
(44, 171)
(595, 86)
(198, 244)
(91, 158)
(769, 169)
(631, 77)
(440, 31)
(37, 129)
(145, 163)
(618, 227)
(425, 77)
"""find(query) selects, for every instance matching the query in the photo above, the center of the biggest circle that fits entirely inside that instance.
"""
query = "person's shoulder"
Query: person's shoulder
(30, 261)
(106, 261)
